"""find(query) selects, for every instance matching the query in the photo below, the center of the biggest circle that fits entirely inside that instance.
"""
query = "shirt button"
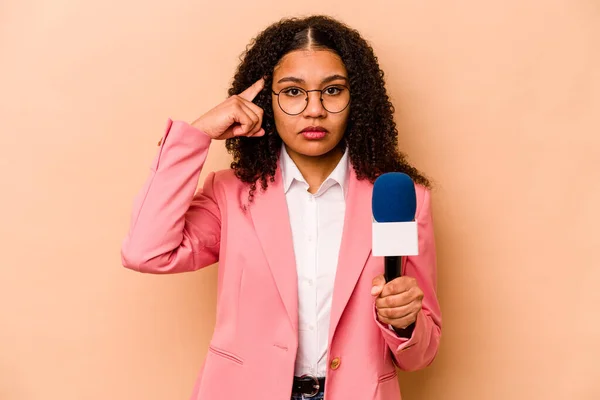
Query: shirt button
(335, 363)
(310, 282)
(312, 328)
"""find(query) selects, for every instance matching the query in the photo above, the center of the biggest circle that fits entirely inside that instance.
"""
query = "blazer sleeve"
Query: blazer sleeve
(175, 228)
(420, 349)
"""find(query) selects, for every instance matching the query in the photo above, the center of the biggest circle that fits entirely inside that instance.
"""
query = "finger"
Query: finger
(252, 108)
(255, 119)
(255, 132)
(397, 300)
(397, 312)
(398, 285)
(255, 108)
(378, 284)
(251, 92)
(259, 133)
(245, 121)
(235, 131)
(400, 323)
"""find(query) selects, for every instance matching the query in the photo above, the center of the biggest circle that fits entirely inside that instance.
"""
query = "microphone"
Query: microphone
(395, 232)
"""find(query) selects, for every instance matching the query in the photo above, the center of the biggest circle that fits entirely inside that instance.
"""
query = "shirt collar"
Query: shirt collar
(291, 173)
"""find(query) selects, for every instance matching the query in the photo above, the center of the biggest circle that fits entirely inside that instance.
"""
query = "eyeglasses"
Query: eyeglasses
(294, 100)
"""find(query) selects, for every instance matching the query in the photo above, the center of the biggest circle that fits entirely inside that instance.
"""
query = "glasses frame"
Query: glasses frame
(306, 98)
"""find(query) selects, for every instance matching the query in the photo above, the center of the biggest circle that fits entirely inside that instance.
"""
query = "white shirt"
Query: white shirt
(317, 221)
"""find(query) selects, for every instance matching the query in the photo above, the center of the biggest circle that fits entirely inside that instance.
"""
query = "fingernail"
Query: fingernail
(375, 290)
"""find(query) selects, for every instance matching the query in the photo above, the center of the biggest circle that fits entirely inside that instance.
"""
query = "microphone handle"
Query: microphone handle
(392, 267)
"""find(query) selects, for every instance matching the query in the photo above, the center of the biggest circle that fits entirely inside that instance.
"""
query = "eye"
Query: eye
(333, 90)
(293, 92)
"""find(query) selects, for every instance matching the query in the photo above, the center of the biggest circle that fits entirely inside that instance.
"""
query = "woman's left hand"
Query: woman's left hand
(398, 301)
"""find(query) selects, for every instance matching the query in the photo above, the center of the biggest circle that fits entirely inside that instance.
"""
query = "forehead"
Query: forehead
(309, 65)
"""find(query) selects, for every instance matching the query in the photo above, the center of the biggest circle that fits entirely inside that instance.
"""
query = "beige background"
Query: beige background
(498, 101)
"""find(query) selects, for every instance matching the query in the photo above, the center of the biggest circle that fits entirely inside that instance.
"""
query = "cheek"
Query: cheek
(341, 121)
(283, 122)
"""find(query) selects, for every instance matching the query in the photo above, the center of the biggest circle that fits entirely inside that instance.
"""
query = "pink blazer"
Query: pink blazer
(175, 228)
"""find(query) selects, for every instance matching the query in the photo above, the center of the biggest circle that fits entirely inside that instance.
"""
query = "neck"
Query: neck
(315, 169)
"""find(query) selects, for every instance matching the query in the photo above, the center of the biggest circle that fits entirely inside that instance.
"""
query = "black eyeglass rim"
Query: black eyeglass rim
(320, 98)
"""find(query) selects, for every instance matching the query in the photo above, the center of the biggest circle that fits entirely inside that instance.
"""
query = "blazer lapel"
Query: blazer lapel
(355, 247)
(271, 221)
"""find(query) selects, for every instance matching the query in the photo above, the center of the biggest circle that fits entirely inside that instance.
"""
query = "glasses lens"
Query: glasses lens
(335, 98)
(292, 100)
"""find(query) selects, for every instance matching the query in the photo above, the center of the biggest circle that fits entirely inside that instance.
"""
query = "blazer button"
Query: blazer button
(335, 363)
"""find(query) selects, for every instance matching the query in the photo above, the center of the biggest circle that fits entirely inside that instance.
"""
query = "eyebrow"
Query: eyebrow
(326, 80)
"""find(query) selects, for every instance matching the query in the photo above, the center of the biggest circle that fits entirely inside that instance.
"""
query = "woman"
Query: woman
(303, 308)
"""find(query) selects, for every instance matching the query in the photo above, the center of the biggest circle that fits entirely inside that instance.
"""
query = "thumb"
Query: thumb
(378, 284)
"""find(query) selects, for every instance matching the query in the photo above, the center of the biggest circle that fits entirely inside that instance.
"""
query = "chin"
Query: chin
(315, 148)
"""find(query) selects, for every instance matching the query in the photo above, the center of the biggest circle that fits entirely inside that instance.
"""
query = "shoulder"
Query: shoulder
(423, 195)
(226, 177)
(421, 191)
(227, 186)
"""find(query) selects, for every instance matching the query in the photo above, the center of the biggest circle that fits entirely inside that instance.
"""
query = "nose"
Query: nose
(314, 108)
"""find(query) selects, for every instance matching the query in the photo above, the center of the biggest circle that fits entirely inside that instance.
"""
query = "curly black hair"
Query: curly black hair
(371, 136)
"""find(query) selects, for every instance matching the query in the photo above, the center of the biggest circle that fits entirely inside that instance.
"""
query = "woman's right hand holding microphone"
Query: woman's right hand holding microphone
(236, 116)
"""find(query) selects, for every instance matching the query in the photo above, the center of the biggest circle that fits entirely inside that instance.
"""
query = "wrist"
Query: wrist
(405, 332)
(198, 124)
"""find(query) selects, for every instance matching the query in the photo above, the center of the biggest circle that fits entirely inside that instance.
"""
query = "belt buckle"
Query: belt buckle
(316, 386)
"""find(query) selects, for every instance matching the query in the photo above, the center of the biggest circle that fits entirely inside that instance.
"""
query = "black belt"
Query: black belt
(308, 385)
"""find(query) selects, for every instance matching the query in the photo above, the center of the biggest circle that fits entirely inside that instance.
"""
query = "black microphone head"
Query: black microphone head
(394, 198)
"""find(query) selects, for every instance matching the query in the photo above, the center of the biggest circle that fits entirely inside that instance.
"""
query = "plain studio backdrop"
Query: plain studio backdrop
(497, 101)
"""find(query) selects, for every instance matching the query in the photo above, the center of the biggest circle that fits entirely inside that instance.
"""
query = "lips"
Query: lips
(314, 135)
(313, 129)
(313, 132)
